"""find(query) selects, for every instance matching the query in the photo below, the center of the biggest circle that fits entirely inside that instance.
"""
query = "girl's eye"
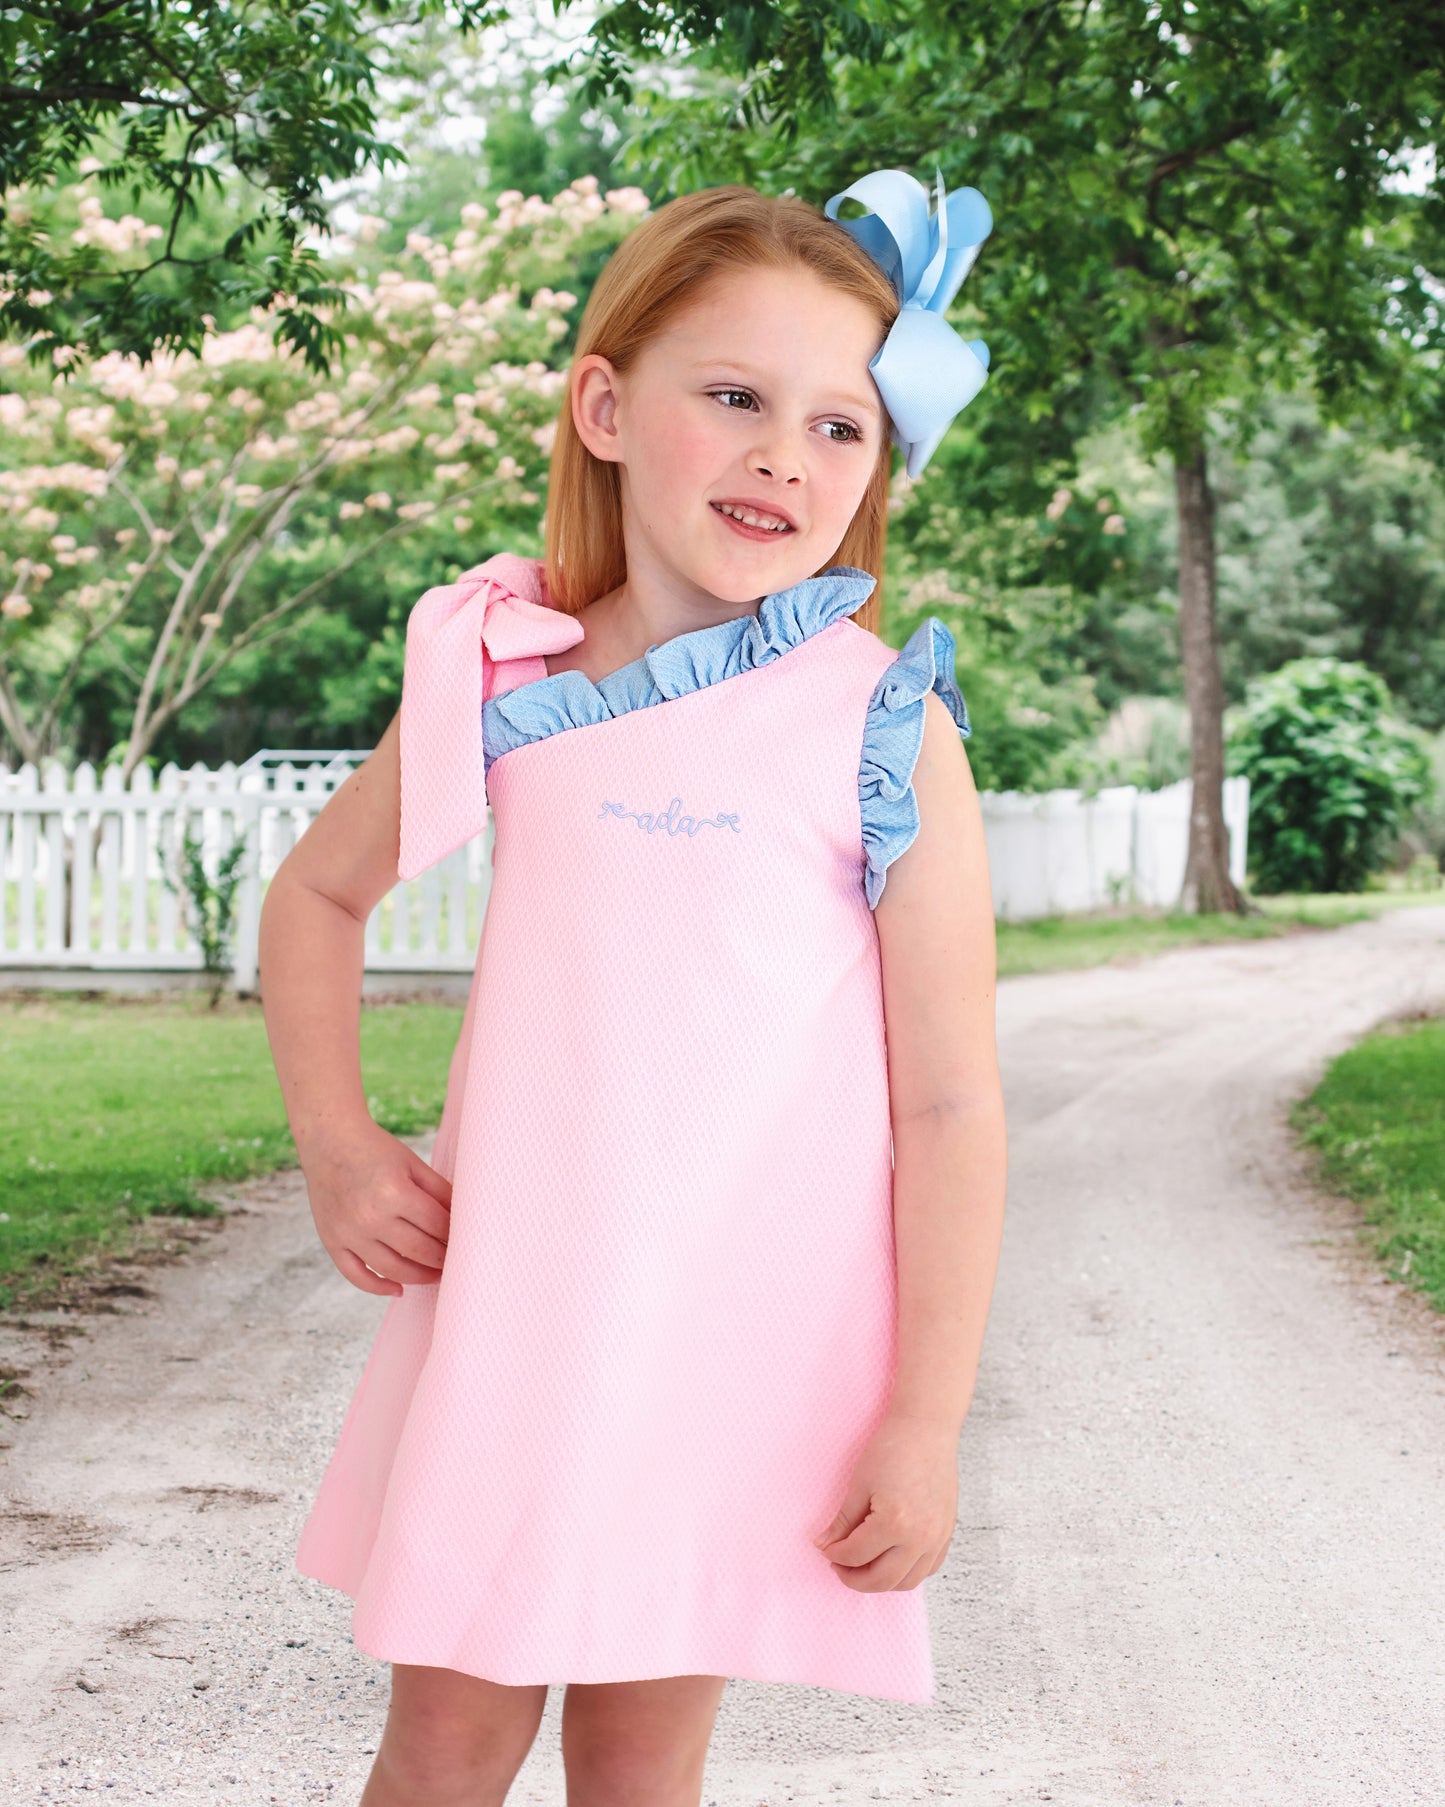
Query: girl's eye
(840, 432)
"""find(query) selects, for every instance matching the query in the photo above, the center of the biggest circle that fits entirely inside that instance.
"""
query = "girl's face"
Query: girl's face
(747, 433)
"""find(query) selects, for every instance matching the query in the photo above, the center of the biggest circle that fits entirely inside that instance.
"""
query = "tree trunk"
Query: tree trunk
(1207, 884)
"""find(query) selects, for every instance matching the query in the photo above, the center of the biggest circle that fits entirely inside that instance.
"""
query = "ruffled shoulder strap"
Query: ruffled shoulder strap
(892, 741)
(498, 610)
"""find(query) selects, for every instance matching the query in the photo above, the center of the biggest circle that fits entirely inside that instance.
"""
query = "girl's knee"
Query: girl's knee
(452, 1736)
(639, 1744)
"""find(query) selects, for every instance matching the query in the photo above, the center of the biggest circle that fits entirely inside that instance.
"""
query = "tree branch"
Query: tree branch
(96, 632)
(1172, 163)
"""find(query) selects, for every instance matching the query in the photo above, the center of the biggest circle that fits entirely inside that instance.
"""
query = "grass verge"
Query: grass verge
(116, 1108)
(1057, 943)
(1377, 1129)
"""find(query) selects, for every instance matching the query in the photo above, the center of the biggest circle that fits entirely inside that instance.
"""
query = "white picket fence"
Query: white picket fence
(90, 869)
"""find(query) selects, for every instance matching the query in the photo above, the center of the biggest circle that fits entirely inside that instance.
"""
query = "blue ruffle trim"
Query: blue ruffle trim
(691, 661)
(892, 741)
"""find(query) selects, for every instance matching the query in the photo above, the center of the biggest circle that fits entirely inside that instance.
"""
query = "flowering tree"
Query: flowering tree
(259, 100)
(164, 517)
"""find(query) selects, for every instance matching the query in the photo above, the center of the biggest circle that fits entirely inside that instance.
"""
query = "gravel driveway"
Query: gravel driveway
(1199, 1549)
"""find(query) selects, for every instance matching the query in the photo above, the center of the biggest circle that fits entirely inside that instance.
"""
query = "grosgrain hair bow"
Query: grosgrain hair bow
(925, 372)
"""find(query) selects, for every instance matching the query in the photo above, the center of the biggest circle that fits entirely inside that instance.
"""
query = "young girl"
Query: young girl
(686, 1312)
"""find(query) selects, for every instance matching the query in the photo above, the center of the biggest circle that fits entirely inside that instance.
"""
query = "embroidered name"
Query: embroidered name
(670, 819)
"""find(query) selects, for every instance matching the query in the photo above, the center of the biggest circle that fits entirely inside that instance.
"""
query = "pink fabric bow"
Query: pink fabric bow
(454, 635)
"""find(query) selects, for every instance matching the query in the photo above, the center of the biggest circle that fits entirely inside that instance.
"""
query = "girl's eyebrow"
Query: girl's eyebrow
(858, 403)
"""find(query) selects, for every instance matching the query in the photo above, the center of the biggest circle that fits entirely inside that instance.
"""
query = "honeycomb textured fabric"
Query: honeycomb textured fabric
(528, 708)
(458, 636)
(600, 1447)
(892, 741)
(707, 655)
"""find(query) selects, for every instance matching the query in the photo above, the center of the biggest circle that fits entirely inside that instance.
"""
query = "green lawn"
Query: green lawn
(114, 1108)
(1377, 1122)
(1054, 943)
(117, 1107)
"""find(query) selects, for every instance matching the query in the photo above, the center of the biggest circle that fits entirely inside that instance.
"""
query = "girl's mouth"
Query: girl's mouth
(754, 523)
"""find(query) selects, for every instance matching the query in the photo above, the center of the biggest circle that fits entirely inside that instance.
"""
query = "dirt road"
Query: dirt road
(1199, 1551)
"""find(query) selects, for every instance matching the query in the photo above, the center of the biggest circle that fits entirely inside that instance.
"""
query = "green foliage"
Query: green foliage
(114, 1108)
(1145, 742)
(516, 151)
(1023, 728)
(785, 49)
(1331, 542)
(274, 99)
(1429, 822)
(1332, 775)
(1186, 211)
(1013, 606)
(478, 118)
(212, 904)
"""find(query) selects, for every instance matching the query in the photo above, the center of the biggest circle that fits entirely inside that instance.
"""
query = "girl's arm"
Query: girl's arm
(936, 941)
(380, 1210)
(939, 961)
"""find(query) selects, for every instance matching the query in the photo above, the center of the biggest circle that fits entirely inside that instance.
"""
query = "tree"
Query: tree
(161, 519)
(182, 99)
(476, 121)
(1330, 541)
(1196, 203)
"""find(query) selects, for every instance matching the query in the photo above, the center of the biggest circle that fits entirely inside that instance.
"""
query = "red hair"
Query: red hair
(657, 270)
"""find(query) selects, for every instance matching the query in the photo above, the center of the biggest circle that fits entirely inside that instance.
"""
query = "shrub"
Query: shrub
(212, 905)
(1332, 774)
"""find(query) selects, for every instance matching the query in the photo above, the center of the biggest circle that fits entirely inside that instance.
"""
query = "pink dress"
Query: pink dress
(599, 1449)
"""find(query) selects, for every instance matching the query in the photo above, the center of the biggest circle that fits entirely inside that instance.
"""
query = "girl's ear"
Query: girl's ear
(594, 406)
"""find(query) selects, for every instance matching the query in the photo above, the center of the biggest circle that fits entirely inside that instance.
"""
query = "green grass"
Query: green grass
(115, 1108)
(1056, 943)
(1377, 1125)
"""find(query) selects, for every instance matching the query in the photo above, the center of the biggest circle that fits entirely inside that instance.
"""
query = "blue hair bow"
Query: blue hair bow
(925, 372)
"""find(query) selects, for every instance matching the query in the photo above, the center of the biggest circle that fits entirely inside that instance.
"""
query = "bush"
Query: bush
(1333, 775)
(1421, 847)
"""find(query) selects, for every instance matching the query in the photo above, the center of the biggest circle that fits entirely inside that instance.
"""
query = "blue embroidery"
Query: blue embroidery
(670, 820)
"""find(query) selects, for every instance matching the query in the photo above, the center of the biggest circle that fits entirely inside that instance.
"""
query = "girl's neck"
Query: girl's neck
(619, 627)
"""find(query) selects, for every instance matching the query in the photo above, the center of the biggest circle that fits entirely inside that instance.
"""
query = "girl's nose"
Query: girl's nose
(776, 461)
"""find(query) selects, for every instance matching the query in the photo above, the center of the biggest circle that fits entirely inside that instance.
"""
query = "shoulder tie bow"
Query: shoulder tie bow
(925, 372)
(454, 635)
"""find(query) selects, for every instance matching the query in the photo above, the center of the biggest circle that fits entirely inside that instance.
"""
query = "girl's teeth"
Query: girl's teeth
(754, 520)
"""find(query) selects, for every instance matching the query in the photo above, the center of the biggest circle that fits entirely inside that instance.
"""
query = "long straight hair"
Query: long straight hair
(657, 270)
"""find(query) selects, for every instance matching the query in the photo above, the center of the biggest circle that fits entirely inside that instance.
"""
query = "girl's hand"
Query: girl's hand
(898, 1515)
(381, 1212)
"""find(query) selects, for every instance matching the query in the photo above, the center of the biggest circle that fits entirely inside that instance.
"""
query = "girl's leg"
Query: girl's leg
(638, 1744)
(451, 1740)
